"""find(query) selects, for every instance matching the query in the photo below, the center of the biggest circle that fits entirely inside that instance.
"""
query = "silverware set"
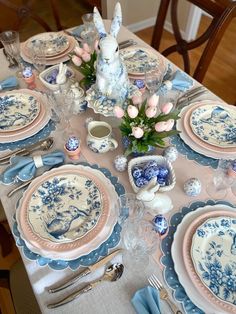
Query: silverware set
(191, 95)
(112, 273)
(155, 282)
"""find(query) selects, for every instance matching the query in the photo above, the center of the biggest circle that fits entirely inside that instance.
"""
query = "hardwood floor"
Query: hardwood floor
(221, 75)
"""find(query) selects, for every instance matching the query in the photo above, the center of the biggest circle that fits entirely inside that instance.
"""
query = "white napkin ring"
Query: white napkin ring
(168, 85)
(38, 161)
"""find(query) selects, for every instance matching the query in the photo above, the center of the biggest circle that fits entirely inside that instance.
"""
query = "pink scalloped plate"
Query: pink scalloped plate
(186, 122)
(31, 129)
(78, 246)
(189, 264)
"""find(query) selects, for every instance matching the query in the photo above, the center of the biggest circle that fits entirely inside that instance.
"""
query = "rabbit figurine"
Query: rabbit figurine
(157, 203)
(111, 74)
(61, 76)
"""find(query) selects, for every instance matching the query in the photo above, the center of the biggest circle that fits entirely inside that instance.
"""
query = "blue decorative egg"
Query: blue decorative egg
(192, 187)
(137, 172)
(163, 172)
(151, 163)
(161, 181)
(72, 143)
(170, 153)
(151, 172)
(141, 181)
(161, 224)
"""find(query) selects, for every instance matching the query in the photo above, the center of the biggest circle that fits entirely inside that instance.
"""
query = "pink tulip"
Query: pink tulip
(137, 132)
(160, 126)
(96, 45)
(86, 57)
(151, 112)
(137, 99)
(78, 51)
(166, 108)
(86, 48)
(132, 111)
(77, 61)
(169, 124)
(119, 112)
(153, 101)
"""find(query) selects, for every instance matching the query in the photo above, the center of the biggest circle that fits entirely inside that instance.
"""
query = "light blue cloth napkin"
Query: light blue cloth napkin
(179, 81)
(146, 301)
(8, 83)
(24, 168)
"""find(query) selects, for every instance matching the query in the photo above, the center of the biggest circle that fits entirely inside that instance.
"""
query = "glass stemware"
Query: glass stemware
(11, 44)
(130, 209)
(221, 180)
(38, 56)
(153, 79)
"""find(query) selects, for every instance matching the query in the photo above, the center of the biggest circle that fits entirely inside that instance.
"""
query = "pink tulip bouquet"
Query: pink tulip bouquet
(142, 128)
(84, 59)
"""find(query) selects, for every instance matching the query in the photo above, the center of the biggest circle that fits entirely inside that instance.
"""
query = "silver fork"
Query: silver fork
(154, 282)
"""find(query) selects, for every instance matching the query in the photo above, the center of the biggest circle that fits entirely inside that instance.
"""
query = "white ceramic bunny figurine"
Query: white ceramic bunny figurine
(157, 203)
(61, 76)
(111, 77)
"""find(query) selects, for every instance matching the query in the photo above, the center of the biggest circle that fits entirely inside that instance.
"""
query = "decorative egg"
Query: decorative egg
(170, 153)
(161, 181)
(120, 163)
(192, 187)
(163, 172)
(151, 172)
(141, 181)
(72, 143)
(151, 163)
(161, 224)
(137, 172)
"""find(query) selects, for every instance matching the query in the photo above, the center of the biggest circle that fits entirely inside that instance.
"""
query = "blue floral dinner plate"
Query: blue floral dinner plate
(213, 253)
(85, 260)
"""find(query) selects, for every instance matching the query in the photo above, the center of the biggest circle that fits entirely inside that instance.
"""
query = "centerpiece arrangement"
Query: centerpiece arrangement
(143, 128)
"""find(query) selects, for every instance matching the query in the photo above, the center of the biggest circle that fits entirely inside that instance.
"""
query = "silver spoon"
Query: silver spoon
(112, 273)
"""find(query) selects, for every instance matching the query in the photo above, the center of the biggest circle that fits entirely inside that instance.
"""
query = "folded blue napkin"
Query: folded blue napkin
(179, 81)
(146, 301)
(24, 168)
(8, 83)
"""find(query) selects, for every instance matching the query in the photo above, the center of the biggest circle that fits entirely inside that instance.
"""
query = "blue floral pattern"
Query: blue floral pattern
(86, 260)
(169, 273)
(213, 254)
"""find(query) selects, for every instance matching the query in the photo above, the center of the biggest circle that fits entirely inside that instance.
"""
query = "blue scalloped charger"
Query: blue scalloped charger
(85, 260)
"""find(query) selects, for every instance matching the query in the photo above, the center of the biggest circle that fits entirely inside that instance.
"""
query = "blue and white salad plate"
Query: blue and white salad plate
(67, 212)
(138, 60)
(53, 43)
(213, 253)
(215, 124)
(17, 110)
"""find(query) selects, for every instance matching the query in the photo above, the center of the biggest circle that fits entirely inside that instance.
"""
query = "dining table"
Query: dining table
(115, 297)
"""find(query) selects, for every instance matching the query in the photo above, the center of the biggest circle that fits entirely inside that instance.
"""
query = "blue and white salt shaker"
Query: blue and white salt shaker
(192, 187)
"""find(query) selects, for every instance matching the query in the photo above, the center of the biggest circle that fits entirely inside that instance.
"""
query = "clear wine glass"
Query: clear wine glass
(220, 182)
(153, 79)
(130, 208)
(139, 241)
(11, 44)
(38, 56)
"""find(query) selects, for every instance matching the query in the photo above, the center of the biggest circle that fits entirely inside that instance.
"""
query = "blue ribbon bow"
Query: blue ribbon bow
(24, 168)
(8, 83)
(179, 81)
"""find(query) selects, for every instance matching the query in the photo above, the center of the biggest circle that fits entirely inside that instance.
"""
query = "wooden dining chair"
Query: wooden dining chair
(6, 244)
(14, 13)
(222, 12)
(16, 294)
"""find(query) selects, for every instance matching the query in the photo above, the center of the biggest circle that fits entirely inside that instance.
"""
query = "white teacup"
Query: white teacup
(99, 138)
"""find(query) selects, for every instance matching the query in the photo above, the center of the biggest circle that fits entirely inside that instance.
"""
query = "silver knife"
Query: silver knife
(44, 143)
(9, 194)
(181, 104)
(84, 273)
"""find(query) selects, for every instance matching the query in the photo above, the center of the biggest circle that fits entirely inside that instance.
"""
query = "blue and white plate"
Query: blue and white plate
(53, 43)
(17, 110)
(138, 60)
(213, 253)
(215, 124)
